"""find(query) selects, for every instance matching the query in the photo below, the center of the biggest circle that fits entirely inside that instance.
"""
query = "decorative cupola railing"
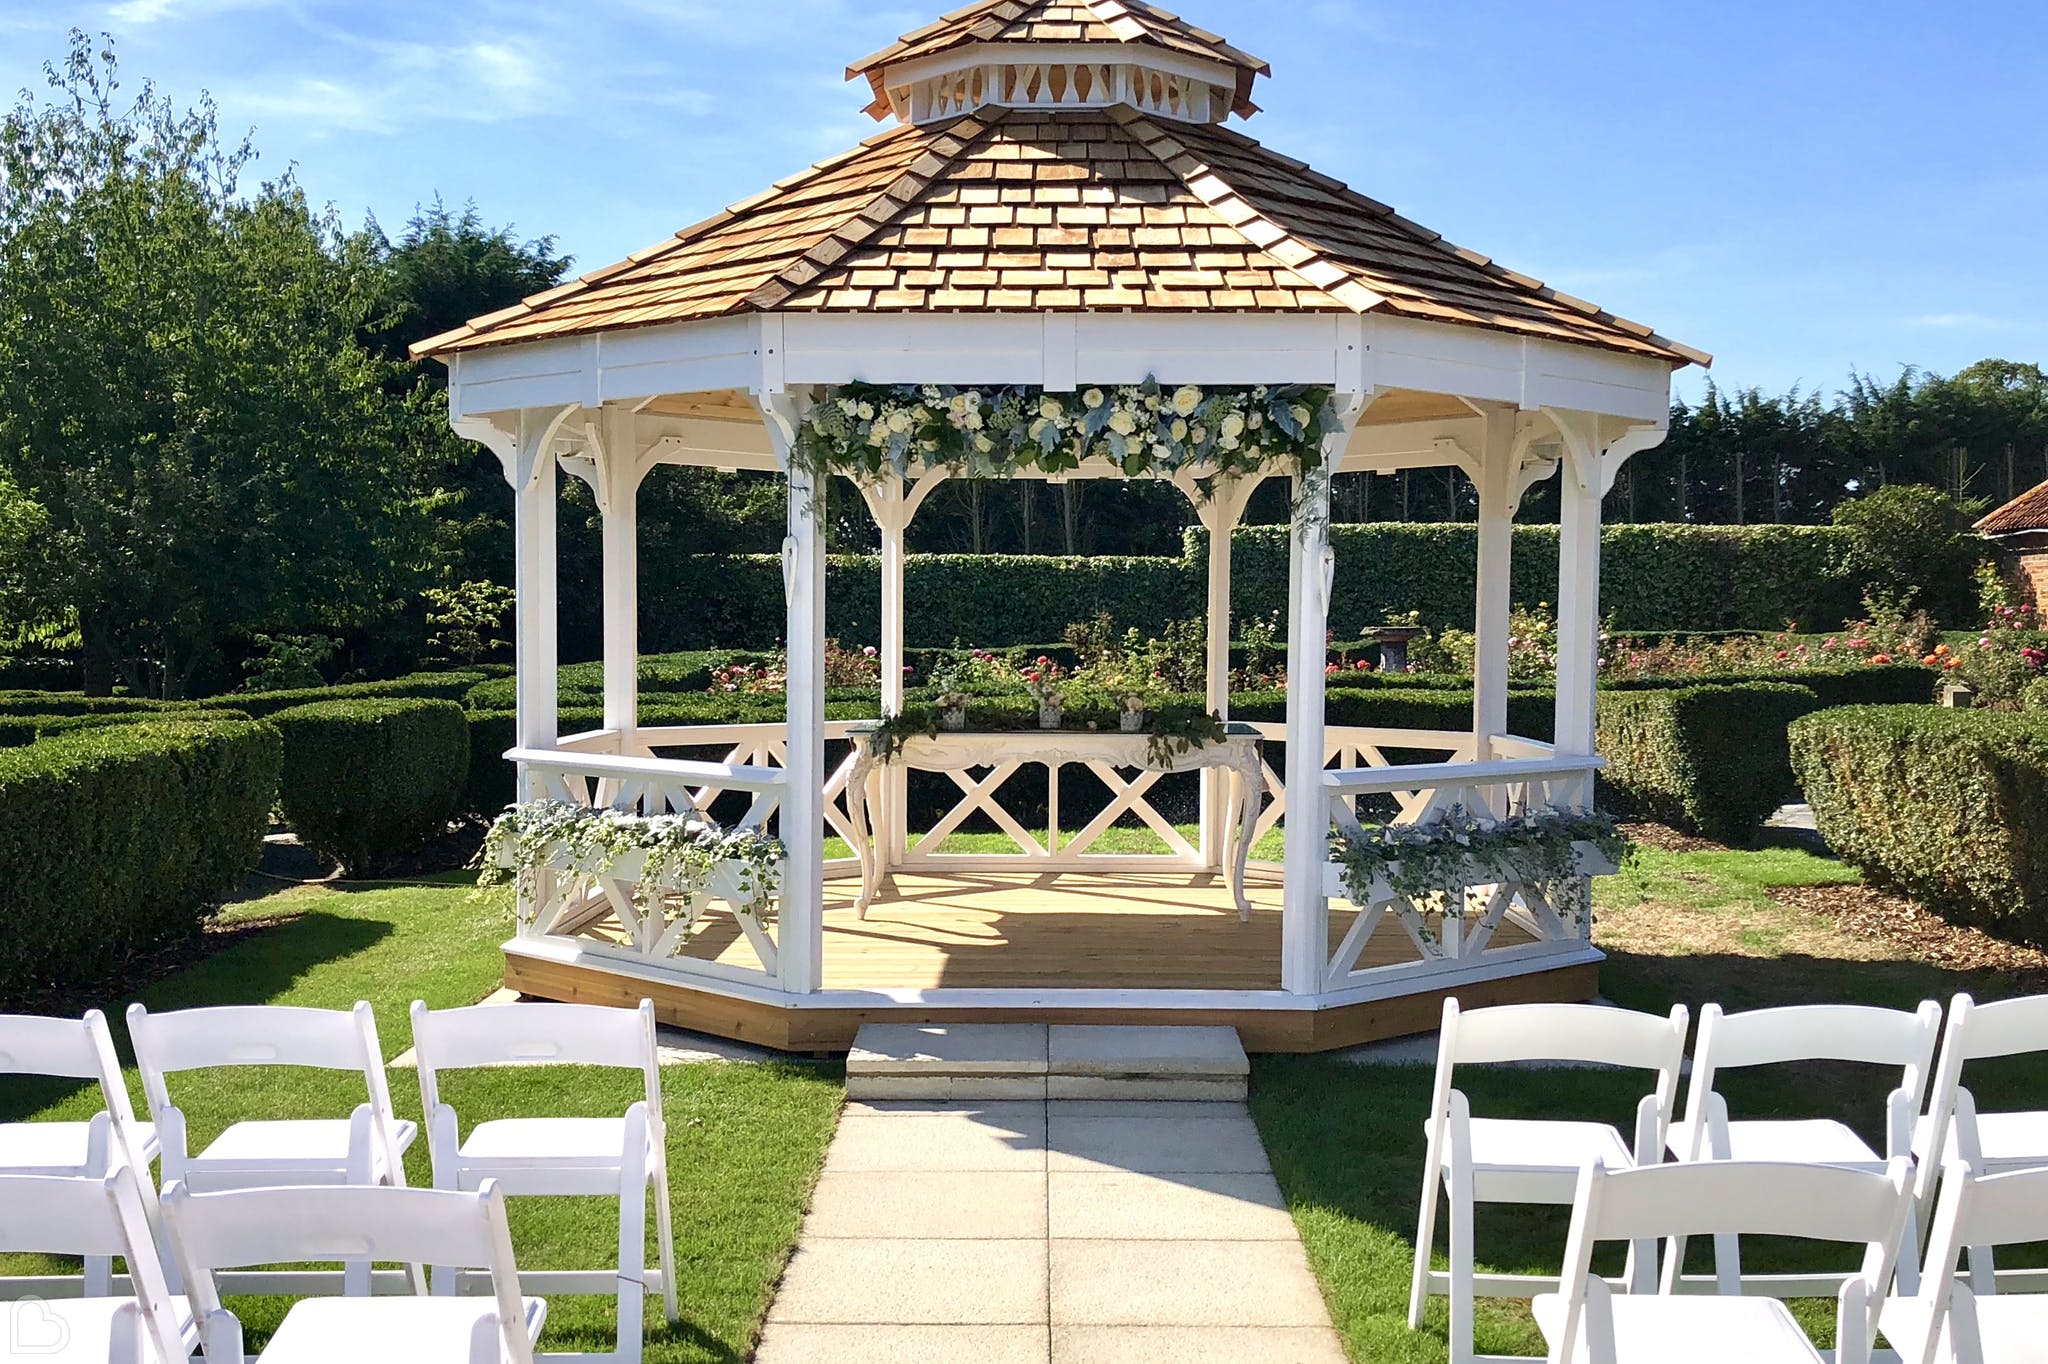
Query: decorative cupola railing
(1061, 55)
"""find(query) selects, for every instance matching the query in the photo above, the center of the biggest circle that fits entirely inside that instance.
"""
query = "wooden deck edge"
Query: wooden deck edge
(1305, 1029)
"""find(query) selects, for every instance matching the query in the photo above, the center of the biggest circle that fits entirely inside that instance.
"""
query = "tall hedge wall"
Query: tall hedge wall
(367, 779)
(118, 841)
(1712, 760)
(1656, 577)
(1949, 806)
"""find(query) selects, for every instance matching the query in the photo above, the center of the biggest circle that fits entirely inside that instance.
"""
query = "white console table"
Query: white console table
(1106, 753)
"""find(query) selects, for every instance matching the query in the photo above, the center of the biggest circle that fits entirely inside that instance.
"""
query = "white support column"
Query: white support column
(619, 473)
(1220, 515)
(534, 577)
(800, 930)
(892, 505)
(1581, 485)
(1496, 478)
(1305, 928)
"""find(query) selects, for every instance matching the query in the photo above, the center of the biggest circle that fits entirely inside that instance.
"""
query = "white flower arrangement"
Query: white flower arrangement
(867, 432)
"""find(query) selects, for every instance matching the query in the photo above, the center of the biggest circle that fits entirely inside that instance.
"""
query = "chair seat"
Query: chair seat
(2012, 1327)
(1797, 1141)
(311, 1147)
(351, 1330)
(58, 1148)
(64, 1329)
(2009, 1140)
(561, 1143)
(1537, 1160)
(1685, 1329)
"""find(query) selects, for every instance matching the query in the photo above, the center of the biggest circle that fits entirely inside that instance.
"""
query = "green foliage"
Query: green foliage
(183, 393)
(1855, 684)
(288, 662)
(416, 686)
(467, 621)
(368, 780)
(1944, 805)
(119, 841)
(1708, 759)
(16, 730)
(1914, 543)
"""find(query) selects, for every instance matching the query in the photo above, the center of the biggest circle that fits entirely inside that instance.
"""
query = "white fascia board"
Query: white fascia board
(639, 362)
(1057, 54)
(1531, 373)
(914, 348)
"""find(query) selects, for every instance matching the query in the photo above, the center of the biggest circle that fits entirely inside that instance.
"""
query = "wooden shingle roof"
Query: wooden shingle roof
(1061, 22)
(2027, 512)
(1034, 211)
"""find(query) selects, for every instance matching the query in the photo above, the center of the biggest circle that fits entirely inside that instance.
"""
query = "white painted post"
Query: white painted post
(1219, 516)
(1578, 599)
(800, 930)
(1496, 551)
(890, 506)
(1305, 926)
(620, 474)
(534, 579)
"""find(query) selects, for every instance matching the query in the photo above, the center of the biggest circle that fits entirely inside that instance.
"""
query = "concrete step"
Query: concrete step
(988, 1061)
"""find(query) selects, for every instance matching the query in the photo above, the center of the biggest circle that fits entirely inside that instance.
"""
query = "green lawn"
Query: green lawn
(745, 1141)
(1347, 1145)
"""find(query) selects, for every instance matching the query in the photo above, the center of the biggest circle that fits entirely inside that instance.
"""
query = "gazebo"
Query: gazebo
(1057, 210)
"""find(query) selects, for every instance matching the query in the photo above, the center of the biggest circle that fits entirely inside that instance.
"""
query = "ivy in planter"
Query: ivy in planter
(1441, 858)
(869, 431)
(1171, 728)
(683, 852)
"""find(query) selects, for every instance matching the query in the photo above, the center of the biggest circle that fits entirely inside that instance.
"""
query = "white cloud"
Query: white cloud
(395, 83)
(138, 13)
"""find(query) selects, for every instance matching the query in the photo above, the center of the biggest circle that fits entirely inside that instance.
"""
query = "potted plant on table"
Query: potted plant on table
(950, 681)
(1131, 718)
(1047, 683)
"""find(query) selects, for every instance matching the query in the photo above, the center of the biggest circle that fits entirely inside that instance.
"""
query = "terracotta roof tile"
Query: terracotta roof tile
(1106, 209)
(2027, 512)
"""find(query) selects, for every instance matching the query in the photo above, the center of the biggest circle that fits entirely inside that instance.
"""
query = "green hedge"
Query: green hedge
(1709, 759)
(1855, 684)
(16, 730)
(1948, 806)
(366, 780)
(415, 686)
(77, 703)
(118, 841)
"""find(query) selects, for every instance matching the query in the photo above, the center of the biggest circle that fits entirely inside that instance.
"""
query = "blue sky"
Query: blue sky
(1800, 187)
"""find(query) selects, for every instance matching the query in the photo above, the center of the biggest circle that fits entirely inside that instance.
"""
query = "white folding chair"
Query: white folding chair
(220, 1231)
(1953, 1129)
(1952, 1322)
(99, 1217)
(75, 1049)
(1586, 1322)
(1782, 1036)
(621, 1157)
(1524, 1160)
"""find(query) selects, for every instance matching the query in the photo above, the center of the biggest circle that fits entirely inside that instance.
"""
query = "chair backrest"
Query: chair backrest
(94, 1215)
(1998, 1210)
(70, 1049)
(535, 1034)
(1975, 1032)
(1585, 1033)
(1659, 1202)
(1814, 1032)
(245, 1227)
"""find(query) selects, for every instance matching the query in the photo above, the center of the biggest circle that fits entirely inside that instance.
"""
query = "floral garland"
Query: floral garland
(1438, 860)
(867, 432)
(683, 852)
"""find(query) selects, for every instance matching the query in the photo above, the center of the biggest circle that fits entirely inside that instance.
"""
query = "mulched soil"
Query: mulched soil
(1914, 930)
(1664, 838)
(149, 967)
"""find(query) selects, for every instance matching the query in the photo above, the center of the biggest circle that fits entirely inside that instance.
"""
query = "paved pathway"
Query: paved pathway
(1071, 1231)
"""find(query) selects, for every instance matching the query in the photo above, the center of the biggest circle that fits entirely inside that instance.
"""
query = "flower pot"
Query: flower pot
(953, 718)
(1048, 716)
(1131, 721)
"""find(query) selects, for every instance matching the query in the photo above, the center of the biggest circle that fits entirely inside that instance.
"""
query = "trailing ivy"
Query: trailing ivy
(1433, 863)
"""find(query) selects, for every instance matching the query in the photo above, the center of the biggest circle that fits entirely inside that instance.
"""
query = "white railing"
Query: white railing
(1454, 923)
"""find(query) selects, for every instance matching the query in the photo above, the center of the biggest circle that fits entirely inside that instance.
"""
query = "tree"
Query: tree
(1914, 544)
(183, 389)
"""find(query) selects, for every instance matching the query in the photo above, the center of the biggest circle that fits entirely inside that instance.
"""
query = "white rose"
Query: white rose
(1301, 414)
(1094, 398)
(1200, 435)
(1233, 426)
(983, 444)
(849, 407)
(1186, 400)
(1038, 428)
(1160, 452)
(1179, 429)
(1123, 423)
(867, 412)
(1152, 403)
(1227, 441)
(878, 435)
(1256, 420)
(974, 421)
(900, 421)
(1050, 409)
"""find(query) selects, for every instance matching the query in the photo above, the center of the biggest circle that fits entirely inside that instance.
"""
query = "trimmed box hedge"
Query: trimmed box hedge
(119, 841)
(451, 686)
(1710, 759)
(367, 780)
(1852, 684)
(16, 730)
(1947, 806)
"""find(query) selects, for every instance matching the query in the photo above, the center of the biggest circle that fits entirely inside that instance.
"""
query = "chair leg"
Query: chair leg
(1462, 1289)
(1425, 1235)
(665, 1239)
(632, 1267)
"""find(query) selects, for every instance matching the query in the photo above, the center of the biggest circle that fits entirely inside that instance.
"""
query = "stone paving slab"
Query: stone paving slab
(1110, 1050)
(930, 1205)
(1194, 1345)
(945, 1088)
(1184, 1283)
(1182, 1207)
(812, 1343)
(1153, 1145)
(993, 1137)
(948, 1049)
(910, 1282)
(1186, 1088)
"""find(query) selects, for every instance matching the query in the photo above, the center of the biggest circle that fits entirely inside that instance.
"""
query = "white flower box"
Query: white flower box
(1587, 860)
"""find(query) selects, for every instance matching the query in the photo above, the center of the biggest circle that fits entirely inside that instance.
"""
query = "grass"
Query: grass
(745, 1141)
(1346, 1141)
